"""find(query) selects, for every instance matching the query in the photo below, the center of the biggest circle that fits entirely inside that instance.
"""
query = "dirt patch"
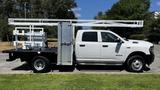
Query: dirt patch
(6, 46)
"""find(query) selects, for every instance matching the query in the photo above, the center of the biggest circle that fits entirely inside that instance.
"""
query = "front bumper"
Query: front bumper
(150, 58)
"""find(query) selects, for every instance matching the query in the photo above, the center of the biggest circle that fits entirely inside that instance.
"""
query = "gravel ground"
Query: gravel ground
(155, 66)
(17, 67)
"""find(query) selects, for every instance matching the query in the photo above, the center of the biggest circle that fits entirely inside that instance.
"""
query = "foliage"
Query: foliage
(55, 9)
(128, 10)
(154, 34)
(137, 36)
(154, 37)
(80, 82)
(5, 32)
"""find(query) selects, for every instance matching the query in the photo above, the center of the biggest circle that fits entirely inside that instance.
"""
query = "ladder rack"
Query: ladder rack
(23, 24)
(34, 37)
(75, 22)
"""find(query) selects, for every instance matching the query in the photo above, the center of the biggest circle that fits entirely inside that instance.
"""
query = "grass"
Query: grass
(79, 82)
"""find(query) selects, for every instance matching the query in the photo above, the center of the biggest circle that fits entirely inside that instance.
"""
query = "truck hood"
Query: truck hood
(140, 42)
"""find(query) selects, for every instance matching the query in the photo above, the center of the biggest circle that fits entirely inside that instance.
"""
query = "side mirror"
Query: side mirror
(125, 38)
(119, 40)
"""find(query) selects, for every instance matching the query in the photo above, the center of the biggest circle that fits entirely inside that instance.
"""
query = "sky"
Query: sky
(88, 9)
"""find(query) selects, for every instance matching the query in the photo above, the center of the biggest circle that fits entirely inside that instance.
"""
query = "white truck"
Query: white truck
(106, 47)
(90, 47)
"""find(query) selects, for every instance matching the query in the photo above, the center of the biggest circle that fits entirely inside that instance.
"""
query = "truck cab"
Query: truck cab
(104, 47)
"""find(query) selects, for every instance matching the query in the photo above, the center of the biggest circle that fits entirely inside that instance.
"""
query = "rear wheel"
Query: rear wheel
(135, 63)
(40, 64)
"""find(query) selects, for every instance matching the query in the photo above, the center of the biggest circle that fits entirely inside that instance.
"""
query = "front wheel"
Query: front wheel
(40, 64)
(135, 63)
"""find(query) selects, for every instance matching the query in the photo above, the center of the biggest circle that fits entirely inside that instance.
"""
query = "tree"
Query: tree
(55, 9)
(128, 10)
(154, 34)
(52, 8)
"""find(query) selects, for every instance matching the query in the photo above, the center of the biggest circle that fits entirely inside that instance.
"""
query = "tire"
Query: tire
(40, 64)
(135, 64)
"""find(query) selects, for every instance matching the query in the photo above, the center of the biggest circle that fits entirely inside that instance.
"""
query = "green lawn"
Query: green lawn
(80, 82)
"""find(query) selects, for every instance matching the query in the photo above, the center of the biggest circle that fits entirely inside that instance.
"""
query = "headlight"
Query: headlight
(151, 49)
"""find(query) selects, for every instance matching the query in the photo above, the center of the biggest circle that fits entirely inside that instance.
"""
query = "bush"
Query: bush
(154, 37)
(138, 36)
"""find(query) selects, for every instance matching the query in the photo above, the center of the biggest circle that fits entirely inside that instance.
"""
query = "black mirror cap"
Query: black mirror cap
(119, 40)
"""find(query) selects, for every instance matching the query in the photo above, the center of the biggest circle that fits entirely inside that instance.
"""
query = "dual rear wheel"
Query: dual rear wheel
(40, 64)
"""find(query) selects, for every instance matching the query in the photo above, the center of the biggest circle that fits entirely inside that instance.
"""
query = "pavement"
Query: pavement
(18, 67)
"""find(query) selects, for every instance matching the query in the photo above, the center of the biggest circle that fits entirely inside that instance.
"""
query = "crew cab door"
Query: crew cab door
(87, 47)
(112, 48)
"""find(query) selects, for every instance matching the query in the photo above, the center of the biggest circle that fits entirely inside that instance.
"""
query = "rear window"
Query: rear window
(90, 37)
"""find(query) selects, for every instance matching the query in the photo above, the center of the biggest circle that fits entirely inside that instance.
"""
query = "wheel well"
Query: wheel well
(136, 53)
(52, 57)
(39, 56)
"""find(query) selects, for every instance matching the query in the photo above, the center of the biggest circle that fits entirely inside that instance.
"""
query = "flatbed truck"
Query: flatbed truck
(90, 47)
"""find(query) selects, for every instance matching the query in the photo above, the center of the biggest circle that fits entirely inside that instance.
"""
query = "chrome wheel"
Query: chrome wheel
(39, 64)
(137, 65)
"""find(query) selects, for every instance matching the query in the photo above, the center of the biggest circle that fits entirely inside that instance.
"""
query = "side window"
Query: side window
(90, 37)
(108, 37)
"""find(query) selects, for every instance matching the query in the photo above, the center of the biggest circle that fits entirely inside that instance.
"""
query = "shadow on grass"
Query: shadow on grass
(27, 67)
(100, 67)
(23, 67)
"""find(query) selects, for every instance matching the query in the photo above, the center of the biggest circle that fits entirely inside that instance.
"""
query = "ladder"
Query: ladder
(75, 22)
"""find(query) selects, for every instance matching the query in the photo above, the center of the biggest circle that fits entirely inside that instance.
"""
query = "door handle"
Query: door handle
(104, 45)
(82, 45)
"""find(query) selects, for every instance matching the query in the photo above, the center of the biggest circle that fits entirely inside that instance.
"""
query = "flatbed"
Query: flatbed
(28, 54)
